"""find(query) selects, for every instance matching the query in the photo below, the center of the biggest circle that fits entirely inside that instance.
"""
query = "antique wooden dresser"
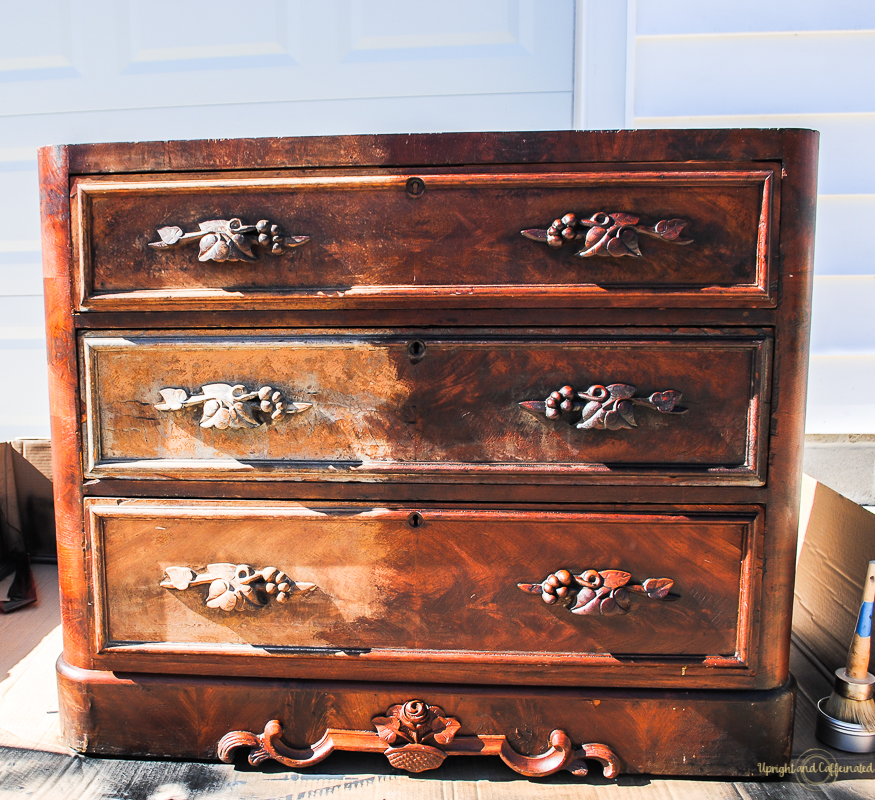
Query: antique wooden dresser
(431, 445)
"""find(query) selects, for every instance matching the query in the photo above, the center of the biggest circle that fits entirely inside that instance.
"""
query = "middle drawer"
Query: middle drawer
(617, 406)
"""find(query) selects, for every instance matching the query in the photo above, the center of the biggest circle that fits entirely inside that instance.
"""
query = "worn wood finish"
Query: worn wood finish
(415, 241)
(671, 732)
(437, 407)
(393, 584)
(457, 241)
(63, 390)
(450, 149)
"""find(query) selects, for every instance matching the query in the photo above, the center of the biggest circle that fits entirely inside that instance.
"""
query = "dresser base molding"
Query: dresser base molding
(415, 757)
(532, 730)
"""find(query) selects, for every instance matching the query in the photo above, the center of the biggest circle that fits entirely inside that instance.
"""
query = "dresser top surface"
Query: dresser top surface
(439, 149)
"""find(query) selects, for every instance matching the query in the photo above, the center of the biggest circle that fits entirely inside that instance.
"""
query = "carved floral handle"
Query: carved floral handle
(231, 240)
(227, 406)
(614, 234)
(232, 586)
(596, 592)
(605, 408)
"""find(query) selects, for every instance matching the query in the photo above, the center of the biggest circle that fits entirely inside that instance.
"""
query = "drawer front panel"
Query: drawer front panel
(451, 239)
(440, 583)
(378, 406)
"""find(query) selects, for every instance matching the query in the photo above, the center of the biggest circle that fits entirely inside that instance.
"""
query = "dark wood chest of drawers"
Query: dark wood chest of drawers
(431, 445)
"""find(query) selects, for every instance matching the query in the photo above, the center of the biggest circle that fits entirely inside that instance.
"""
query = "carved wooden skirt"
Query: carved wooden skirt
(497, 454)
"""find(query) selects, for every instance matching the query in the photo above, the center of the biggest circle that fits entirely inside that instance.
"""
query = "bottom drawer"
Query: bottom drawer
(302, 722)
(282, 588)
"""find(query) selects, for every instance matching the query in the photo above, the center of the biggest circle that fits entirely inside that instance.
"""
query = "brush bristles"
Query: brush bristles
(856, 712)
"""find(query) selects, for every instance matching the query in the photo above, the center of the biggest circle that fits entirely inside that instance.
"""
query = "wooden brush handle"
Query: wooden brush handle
(858, 655)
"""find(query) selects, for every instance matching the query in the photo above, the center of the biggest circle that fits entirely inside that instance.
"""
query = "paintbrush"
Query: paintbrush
(852, 695)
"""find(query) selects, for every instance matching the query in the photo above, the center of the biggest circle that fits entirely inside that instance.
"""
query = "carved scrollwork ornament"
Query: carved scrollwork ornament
(227, 406)
(600, 407)
(415, 737)
(614, 234)
(234, 586)
(231, 240)
(596, 592)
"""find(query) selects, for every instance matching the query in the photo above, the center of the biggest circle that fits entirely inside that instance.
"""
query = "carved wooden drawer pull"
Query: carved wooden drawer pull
(605, 407)
(232, 586)
(227, 406)
(613, 234)
(416, 737)
(231, 240)
(596, 592)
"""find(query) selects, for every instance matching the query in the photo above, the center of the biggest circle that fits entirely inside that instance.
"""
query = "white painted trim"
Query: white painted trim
(579, 74)
(758, 34)
(631, 42)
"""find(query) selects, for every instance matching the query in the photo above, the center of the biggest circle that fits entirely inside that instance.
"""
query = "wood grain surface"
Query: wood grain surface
(445, 581)
(451, 413)
(459, 240)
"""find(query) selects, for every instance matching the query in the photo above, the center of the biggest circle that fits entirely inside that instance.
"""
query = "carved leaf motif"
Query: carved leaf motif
(215, 226)
(621, 598)
(595, 418)
(170, 235)
(242, 243)
(624, 219)
(389, 728)
(630, 238)
(213, 247)
(609, 606)
(614, 578)
(613, 420)
(451, 726)
(657, 587)
(665, 401)
(210, 409)
(627, 412)
(594, 235)
(221, 596)
(621, 391)
(223, 392)
(173, 399)
(535, 234)
(615, 245)
(670, 229)
(589, 601)
(180, 577)
(221, 419)
(222, 570)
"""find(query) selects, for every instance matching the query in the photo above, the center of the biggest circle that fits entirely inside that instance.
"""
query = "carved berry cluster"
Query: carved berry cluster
(271, 401)
(270, 235)
(562, 230)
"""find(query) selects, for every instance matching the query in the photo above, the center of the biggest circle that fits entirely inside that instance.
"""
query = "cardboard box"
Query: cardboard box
(836, 543)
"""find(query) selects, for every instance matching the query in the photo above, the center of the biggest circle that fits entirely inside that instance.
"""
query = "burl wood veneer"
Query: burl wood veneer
(431, 445)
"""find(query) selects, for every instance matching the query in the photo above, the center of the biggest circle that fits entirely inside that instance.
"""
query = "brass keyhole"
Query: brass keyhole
(416, 187)
(414, 519)
(416, 349)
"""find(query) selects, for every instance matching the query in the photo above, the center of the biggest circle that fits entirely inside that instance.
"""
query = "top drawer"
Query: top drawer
(657, 238)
